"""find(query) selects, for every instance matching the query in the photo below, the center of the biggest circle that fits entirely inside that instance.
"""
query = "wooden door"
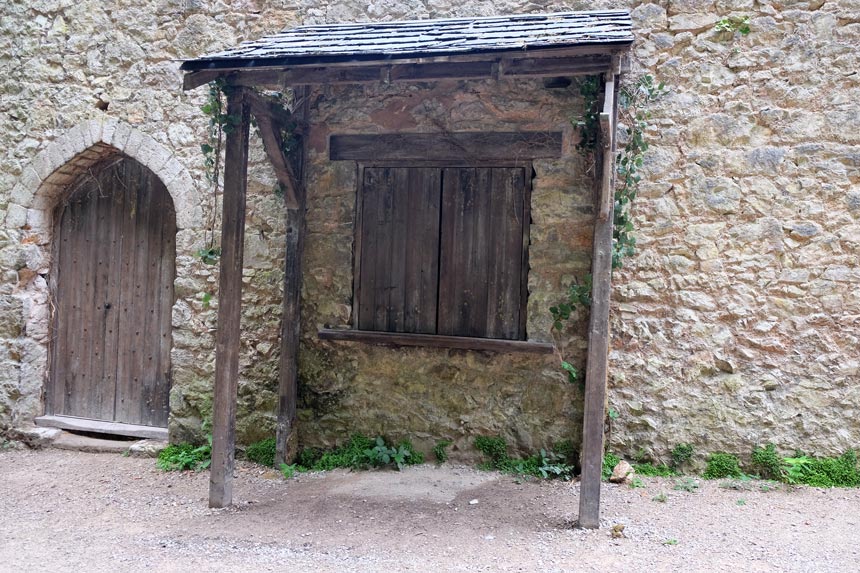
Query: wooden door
(112, 290)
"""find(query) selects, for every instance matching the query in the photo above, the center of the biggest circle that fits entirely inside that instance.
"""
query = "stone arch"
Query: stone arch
(28, 222)
(43, 182)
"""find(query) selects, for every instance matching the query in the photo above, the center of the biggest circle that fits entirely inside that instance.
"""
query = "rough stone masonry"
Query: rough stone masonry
(736, 323)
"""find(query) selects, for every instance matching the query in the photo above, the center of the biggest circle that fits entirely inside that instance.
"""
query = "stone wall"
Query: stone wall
(431, 394)
(737, 321)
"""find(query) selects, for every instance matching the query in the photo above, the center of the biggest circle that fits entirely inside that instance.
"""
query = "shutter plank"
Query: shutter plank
(476, 278)
(506, 253)
(367, 242)
(422, 251)
(456, 256)
(400, 192)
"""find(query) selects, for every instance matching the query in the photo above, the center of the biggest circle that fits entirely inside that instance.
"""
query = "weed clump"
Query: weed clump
(610, 460)
(767, 462)
(360, 452)
(545, 464)
(722, 465)
(440, 450)
(651, 470)
(179, 457)
(262, 452)
(681, 454)
(823, 472)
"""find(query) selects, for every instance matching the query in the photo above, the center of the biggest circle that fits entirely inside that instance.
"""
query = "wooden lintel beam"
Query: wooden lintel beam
(228, 333)
(597, 366)
(558, 66)
(548, 64)
(272, 143)
(457, 146)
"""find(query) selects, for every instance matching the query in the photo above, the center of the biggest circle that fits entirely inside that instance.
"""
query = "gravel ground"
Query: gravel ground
(73, 511)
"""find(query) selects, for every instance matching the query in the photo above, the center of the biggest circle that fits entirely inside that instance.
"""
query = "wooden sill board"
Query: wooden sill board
(435, 340)
(102, 427)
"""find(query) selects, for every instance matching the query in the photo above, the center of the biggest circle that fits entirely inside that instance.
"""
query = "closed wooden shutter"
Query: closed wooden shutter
(442, 251)
(399, 273)
(481, 252)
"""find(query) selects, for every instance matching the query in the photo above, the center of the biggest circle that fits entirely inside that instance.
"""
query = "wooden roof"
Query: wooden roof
(423, 38)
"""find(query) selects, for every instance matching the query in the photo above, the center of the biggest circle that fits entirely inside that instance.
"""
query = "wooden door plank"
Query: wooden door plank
(125, 306)
(111, 299)
(477, 271)
(86, 392)
(451, 244)
(504, 255)
(62, 305)
(381, 260)
(229, 303)
(130, 389)
(164, 303)
(148, 385)
(103, 394)
(509, 185)
(457, 253)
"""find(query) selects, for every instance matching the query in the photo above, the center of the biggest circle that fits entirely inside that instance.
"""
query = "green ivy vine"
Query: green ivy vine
(220, 124)
(633, 103)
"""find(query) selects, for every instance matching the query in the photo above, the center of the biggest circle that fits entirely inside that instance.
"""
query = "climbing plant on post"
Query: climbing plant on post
(634, 103)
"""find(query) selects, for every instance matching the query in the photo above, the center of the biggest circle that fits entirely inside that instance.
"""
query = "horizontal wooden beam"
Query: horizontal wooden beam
(458, 146)
(102, 427)
(427, 69)
(435, 341)
(548, 67)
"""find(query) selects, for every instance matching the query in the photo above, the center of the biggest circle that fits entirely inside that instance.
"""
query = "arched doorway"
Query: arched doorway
(111, 288)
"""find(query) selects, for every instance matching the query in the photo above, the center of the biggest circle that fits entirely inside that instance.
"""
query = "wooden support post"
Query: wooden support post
(598, 338)
(229, 303)
(291, 314)
(290, 330)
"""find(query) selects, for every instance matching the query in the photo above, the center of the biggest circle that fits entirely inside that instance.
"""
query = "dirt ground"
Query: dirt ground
(73, 511)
